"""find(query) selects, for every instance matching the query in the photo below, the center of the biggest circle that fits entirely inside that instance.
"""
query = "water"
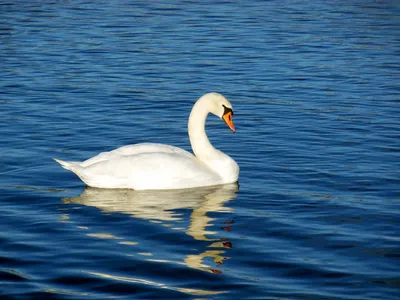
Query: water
(315, 90)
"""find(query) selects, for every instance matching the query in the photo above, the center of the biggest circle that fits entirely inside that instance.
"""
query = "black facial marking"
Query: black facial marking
(227, 110)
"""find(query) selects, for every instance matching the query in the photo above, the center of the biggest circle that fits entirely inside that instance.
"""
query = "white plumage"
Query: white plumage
(150, 166)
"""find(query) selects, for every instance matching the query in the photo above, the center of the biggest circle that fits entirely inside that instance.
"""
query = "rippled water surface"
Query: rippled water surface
(315, 90)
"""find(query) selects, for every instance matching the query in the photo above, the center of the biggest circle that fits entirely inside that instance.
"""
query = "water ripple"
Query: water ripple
(314, 86)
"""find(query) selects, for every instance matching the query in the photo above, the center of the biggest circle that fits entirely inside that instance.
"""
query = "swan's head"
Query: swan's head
(221, 107)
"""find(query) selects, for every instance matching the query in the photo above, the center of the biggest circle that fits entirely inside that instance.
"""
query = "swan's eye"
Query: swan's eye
(227, 110)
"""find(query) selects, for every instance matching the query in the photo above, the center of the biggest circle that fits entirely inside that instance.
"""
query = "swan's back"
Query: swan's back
(135, 150)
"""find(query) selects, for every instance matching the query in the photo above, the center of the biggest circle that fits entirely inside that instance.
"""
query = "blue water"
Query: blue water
(315, 90)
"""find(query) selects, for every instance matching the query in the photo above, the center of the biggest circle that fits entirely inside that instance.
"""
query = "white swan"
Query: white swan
(156, 166)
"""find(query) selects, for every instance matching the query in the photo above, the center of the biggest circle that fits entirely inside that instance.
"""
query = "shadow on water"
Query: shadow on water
(162, 206)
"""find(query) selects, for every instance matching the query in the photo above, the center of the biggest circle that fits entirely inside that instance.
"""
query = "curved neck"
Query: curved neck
(216, 160)
(201, 146)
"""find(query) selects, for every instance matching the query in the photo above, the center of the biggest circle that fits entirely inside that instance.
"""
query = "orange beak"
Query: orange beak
(228, 120)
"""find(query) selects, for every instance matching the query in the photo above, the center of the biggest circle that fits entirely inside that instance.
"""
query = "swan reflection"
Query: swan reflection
(163, 205)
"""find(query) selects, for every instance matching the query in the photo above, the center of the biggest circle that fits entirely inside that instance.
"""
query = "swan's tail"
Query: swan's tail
(90, 179)
(73, 166)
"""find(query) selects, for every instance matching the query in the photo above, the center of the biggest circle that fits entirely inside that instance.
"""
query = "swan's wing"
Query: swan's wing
(149, 171)
(134, 150)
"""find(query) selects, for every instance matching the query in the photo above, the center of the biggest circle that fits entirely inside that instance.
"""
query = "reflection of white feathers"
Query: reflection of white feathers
(162, 206)
(159, 205)
(156, 166)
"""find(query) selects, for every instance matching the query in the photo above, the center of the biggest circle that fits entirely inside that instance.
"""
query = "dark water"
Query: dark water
(315, 89)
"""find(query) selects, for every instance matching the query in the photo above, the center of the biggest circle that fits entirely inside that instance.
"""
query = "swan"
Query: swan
(150, 166)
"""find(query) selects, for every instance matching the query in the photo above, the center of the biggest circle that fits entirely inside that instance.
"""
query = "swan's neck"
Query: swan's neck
(201, 146)
(216, 160)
